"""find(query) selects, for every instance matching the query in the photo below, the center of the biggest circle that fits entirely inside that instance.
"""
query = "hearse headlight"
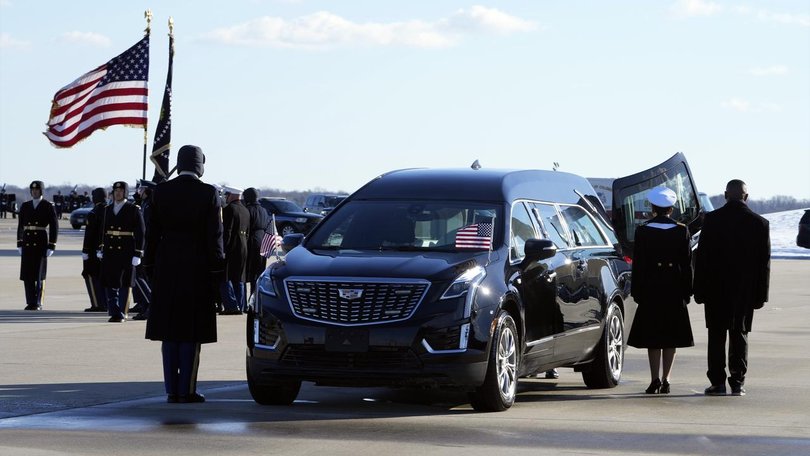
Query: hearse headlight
(266, 283)
(466, 282)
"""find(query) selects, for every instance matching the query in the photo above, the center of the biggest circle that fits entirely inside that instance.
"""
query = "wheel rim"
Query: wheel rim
(507, 357)
(614, 346)
(287, 230)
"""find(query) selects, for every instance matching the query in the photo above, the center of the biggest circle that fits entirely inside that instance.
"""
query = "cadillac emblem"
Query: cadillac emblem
(350, 294)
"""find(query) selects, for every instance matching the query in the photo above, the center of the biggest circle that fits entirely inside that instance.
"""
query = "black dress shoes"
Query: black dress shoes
(191, 398)
(655, 385)
(33, 307)
(95, 309)
(737, 391)
(117, 319)
(715, 390)
(140, 316)
(171, 398)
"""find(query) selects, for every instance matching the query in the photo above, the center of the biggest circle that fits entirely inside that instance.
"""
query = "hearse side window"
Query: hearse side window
(550, 225)
(582, 227)
(522, 230)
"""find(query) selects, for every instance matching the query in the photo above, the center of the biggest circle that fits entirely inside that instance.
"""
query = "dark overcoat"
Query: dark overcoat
(37, 230)
(733, 266)
(122, 239)
(92, 241)
(259, 221)
(661, 285)
(185, 259)
(235, 224)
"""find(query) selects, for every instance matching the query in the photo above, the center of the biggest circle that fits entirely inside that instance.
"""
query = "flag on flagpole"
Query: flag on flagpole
(163, 132)
(475, 236)
(112, 94)
(271, 241)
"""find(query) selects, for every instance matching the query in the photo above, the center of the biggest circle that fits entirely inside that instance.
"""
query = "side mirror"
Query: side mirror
(291, 241)
(538, 249)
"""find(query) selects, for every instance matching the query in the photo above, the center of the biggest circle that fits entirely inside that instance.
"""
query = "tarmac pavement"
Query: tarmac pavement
(73, 384)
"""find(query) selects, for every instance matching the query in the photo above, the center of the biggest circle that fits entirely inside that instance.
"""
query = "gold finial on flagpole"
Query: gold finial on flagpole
(148, 15)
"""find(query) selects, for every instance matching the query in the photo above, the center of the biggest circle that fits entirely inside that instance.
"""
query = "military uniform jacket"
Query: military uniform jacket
(733, 266)
(661, 285)
(122, 239)
(185, 259)
(92, 241)
(235, 225)
(37, 230)
(259, 221)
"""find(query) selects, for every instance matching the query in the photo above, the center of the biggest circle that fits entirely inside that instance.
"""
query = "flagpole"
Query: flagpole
(148, 15)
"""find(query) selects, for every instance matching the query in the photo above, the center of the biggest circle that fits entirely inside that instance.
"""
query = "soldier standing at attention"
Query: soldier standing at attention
(259, 221)
(37, 229)
(184, 261)
(121, 251)
(235, 223)
(142, 291)
(4, 200)
(91, 265)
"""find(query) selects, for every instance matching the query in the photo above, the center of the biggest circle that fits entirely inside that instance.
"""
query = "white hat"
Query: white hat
(662, 197)
(232, 190)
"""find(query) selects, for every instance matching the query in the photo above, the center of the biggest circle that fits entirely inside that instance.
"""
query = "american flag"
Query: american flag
(113, 94)
(163, 132)
(271, 241)
(475, 236)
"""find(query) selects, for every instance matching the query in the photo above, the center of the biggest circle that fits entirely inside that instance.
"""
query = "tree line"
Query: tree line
(778, 203)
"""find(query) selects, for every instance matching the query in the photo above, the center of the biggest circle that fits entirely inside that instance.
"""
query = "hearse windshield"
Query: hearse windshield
(453, 226)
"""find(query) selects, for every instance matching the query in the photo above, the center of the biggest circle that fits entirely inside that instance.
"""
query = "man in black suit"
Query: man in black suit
(37, 229)
(235, 224)
(91, 265)
(184, 260)
(259, 221)
(121, 251)
(732, 273)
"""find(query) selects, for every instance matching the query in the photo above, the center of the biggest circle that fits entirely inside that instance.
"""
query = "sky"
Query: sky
(325, 95)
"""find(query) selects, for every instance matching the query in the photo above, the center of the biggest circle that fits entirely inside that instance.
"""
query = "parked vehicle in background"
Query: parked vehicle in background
(803, 238)
(290, 217)
(462, 278)
(78, 218)
(319, 203)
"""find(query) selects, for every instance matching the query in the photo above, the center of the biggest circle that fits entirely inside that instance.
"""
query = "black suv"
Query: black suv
(290, 218)
(450, 278)
(319, 203)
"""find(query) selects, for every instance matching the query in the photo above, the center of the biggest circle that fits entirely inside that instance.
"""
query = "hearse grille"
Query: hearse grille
(352, 303)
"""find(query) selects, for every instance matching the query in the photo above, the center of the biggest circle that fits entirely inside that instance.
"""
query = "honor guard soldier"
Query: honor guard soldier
(121, 250)
(235, 223)
(3, 202)
(259, 221)
(37, 229)
(59, 204)
(91, 270)
(142, 291)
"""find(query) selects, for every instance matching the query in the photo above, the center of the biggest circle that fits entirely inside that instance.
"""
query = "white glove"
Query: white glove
(136, 261)
(49, 252)
(99, 254)
(85, 257)
(19, 249)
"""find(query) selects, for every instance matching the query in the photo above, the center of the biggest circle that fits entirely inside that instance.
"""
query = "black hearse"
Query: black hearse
(464, 278)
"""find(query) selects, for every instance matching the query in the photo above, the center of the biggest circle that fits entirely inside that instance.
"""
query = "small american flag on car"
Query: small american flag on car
(475, 236)
(271, 241)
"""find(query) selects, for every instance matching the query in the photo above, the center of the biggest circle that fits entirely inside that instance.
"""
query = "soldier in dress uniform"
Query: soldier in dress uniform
(37, 229)
(259, 221)
(91, 265)
(121, 251)
(59, 204)
(142, 291)
(235, 223)
(184, 260)
(3, 202)
(662, 287)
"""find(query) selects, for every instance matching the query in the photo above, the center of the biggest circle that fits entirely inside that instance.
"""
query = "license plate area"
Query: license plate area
(347, 339)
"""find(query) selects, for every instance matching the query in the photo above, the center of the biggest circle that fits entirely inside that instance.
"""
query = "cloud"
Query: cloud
(8, 42)
(690, 8)
(324, 30)
(775, 70)
(745, 106)
(90, 38)
(802, 20)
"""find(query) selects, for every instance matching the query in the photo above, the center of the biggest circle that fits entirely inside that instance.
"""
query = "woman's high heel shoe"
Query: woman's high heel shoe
(664, 387)
(655, 385)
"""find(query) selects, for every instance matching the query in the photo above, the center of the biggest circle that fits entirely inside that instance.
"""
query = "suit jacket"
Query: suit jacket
(37, 230)
(122, 239)
(732, 266)
(185, 259)
(235, 226)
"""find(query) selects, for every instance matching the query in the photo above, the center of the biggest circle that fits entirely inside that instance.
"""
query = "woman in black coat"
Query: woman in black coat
(662, 287)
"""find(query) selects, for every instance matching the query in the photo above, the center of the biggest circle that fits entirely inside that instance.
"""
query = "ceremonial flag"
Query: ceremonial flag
(113, 94)
(271, 240)
(163, 132)
(475, 236)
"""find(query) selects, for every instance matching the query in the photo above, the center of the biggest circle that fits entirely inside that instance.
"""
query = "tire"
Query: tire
(497, 393)
(279, 392)
(76, 226)
(606, 369)
(286, 229)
